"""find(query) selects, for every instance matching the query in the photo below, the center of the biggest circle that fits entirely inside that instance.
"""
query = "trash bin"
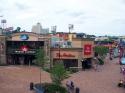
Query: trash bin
(31, 85)
(77, 90)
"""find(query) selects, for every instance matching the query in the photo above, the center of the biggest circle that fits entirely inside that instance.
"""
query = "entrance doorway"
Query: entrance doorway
(20, 59)
(70, 63)
(67, 62)
(86, 64)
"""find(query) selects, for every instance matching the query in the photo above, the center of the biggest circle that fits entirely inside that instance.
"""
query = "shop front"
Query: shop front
(88, 54)
(21, 48)
(70, 58)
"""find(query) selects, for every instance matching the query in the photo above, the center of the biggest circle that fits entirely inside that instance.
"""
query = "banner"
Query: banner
(87, 49)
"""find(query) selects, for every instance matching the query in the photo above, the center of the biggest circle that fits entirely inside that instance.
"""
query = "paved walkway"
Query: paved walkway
(104, 81)
(16, 79)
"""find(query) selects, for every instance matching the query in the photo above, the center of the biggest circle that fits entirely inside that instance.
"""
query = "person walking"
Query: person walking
(97, 64)
(70, 86)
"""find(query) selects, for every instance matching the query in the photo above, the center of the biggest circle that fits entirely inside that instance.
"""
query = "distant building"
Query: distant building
(39, 30)
(45, 31)
(101, 38)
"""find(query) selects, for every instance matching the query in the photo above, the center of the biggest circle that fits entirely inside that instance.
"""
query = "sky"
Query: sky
(96, 17)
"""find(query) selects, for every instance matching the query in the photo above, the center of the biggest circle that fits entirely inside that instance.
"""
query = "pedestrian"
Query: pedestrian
(70, 86)
(97, 65)
(122, 69)
(124, 74)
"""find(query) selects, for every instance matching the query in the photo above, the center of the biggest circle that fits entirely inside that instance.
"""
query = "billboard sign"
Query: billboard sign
(87, 49)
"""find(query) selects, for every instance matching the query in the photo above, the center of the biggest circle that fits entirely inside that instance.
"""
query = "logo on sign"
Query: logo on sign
(24, 48)
(65, 55)
(87, 49)
(24, 37)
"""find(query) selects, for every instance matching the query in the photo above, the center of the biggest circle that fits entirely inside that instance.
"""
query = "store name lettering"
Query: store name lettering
(25, 52)
(64, 55)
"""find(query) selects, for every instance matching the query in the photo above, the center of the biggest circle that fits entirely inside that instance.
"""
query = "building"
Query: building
(81, 48)
(20, 48)
(39, 30)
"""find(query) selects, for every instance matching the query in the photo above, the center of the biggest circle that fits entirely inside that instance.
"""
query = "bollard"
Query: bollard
(31, 85)
(77, 90)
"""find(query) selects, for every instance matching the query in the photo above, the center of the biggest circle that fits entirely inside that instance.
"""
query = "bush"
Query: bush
(47, 70)
(58, 73)
(53, 88)
(101, 62)
(101, 50)
(73, 70)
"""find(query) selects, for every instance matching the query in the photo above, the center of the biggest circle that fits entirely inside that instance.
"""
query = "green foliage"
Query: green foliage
(47, 70)
(40, 57)
(101, 50)
(58, 73)
(73, 70)
(101, 62)
(53, 88)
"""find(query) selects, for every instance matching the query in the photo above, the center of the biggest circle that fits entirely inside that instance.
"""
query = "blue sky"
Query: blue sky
(98, 17)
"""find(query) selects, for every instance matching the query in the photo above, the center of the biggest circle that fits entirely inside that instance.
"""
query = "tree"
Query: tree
(40, 59)
(58, 73)
(101, 50)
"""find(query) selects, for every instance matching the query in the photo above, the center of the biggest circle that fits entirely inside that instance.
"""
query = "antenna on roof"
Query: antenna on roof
(71, 26)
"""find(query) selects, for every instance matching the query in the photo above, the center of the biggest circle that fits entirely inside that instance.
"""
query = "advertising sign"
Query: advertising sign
(87, 49)
(24, 37)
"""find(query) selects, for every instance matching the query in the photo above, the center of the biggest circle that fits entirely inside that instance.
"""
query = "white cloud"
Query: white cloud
(98, 17)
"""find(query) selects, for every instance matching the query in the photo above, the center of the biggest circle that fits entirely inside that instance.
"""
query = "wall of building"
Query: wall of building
(81, 49)
(31, 37)
(81, 43)
(2, 50)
